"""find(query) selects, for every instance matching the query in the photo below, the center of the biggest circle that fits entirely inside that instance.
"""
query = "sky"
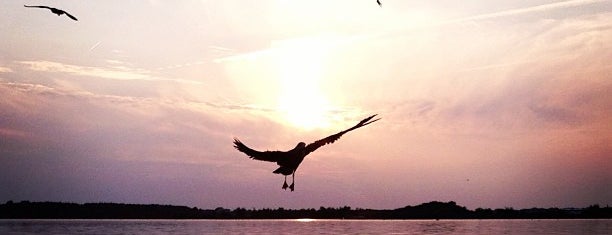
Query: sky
(490, 104)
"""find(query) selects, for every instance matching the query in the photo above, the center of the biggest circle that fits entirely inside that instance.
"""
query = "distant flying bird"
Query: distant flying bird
(290, 160)
(56, 11)
(379, 4)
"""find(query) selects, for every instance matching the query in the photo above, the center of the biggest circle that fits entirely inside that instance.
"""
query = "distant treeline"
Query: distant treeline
(430, 210)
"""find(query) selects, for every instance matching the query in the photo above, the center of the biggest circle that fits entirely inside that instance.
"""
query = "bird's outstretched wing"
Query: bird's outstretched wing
(270, 156)
(71, 16)
(332, 138)
(38, 6)
(55, 11)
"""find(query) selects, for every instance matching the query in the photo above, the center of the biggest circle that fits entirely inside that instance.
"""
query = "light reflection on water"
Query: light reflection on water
(305, 226)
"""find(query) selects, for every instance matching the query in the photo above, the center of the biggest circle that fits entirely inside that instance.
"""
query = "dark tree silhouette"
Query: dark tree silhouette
(290, 160)
(56, 11)
(430, 210)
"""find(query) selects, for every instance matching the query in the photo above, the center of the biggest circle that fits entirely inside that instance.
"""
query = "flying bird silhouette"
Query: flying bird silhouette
(56, 11)
(290, 160)
(379, 4)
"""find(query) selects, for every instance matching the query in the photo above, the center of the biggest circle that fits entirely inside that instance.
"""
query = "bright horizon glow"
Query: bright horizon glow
(305, 220)
(301, 100)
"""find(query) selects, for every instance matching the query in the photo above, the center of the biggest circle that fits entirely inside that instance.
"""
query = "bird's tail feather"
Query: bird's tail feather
(283, 170)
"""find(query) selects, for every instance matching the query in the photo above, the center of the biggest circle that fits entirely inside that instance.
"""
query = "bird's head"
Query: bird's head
(300, 145)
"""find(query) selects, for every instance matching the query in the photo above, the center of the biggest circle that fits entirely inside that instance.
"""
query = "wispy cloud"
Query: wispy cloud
(215, 54)
(221, 51)
(193, 105)
(538, 75)
(244, 56)
(432, 23)
(149, 129)
(115, 72)
(5, 70)
(177, 66)
(532, 9)
(12, 133)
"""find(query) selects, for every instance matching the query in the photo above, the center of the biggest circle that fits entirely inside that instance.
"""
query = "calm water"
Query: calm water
(305, 227)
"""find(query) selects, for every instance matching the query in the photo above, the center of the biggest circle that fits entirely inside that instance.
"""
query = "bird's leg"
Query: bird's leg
(285, 184)
(292, 181)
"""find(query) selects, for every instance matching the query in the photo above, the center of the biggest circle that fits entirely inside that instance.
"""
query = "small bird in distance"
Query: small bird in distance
(56, 11)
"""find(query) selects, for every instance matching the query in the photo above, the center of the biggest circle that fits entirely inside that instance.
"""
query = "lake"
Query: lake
(306, 226)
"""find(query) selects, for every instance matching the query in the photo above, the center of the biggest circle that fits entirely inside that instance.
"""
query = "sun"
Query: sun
(303, 107)
(301, 100)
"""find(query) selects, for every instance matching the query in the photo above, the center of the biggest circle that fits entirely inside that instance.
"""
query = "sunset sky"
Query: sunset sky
(486, 103)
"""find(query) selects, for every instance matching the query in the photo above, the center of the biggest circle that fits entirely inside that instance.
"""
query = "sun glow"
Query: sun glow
(305, 220)
(301, 100)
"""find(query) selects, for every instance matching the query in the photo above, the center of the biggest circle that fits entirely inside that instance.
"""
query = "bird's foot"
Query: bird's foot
(292, 186)
(285, 185)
